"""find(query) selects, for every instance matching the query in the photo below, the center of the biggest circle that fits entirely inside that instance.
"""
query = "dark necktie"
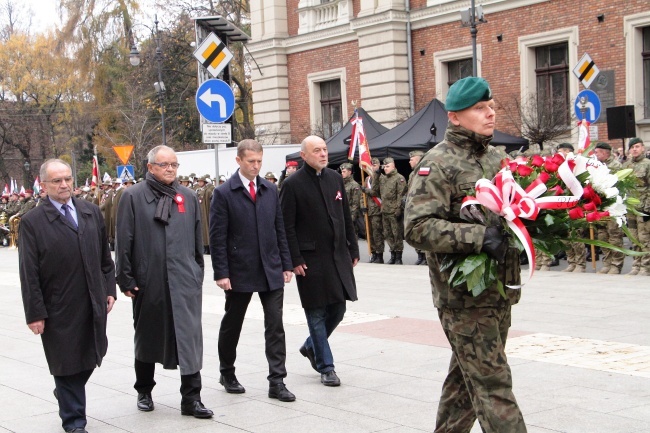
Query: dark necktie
(68, 215)
(251, 189)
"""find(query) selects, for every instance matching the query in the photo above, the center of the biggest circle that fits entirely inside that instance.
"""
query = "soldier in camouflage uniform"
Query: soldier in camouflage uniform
(479, 381)
(353, 192)
(28, 204)
(609, 231)
(639, 225)
(414, 159)
(391, 187)
(575, 251)
(375, 220)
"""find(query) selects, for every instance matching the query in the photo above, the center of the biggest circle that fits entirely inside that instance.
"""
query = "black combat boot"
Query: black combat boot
(398, 258)
(380, 258)
(392, 258)
(373, 258)
(420, 259)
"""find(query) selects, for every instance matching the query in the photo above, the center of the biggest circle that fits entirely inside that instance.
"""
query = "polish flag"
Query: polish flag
(583, 135)
(95, 177)
(359, 139)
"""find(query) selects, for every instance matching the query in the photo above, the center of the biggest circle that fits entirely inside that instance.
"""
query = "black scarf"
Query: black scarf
(165, 195)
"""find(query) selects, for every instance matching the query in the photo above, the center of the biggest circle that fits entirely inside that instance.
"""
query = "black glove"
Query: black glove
(364, 210)
(646, 218)
(495, 244)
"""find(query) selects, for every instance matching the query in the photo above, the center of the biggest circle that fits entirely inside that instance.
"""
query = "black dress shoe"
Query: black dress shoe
(231, 384)
(309, 354)
(280, 391)
(145, 402)
(330, 379)
(196, 409)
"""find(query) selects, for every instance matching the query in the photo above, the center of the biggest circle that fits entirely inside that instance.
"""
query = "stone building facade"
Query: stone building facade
(393, 56)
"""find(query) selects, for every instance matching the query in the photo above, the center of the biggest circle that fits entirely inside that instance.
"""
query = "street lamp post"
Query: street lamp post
(134, 59)
(470, 18)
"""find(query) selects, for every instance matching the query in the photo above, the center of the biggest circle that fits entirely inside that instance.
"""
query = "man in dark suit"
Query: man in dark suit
(324, 249)
(67, 279)
(250, 254)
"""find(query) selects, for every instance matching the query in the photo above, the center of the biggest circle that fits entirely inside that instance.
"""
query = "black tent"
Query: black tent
(338, 144)
(425, 129)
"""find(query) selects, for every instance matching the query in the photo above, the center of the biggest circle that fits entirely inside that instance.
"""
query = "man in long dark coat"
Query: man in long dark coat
(250, 254)
(67, 278)
(324, 250)
(159, 258)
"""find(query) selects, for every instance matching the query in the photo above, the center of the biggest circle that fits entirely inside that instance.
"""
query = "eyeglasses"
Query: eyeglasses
(164, 165)
(59, 181)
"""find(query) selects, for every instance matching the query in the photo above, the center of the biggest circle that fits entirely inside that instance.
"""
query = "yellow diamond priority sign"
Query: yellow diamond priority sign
(213, 54)
(586, 71)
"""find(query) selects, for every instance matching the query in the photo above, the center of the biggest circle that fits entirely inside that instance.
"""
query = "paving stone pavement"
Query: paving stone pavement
(579, 348)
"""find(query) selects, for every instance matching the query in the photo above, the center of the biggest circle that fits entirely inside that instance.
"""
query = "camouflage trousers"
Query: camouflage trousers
(376, 233)
(612, 234)
(576, 253)
(393, 232)
(641, 231)
(479, 381)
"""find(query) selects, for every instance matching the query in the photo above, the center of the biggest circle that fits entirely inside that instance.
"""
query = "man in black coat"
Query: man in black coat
(67, 279)
(324, 249)
(250, 254)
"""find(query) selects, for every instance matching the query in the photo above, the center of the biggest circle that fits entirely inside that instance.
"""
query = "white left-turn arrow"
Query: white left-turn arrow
(208, 97)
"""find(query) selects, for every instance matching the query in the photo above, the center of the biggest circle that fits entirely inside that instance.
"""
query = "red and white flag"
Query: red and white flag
(583, 135)
(6, 191)
(14, 186)
(359, 139)
(95, 177)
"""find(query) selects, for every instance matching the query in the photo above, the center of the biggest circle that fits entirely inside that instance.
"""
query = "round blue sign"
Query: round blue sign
(215, 100)
(591, 103)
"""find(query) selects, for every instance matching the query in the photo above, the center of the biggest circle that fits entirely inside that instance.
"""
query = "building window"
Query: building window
(552, 72)
(645, 55)
(452, 65)
(458, 69)
(330, 103)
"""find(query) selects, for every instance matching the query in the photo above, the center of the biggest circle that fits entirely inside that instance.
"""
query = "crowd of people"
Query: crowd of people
(260, 232)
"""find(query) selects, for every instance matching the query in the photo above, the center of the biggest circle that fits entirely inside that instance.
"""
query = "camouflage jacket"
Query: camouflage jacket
(353, 192)
(432, 222)
(641, 167)
(27, 206)
(374, 207)
(613, 164)
(12, 208)
(391, 188)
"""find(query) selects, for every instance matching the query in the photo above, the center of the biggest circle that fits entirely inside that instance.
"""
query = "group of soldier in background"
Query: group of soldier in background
(579, 254)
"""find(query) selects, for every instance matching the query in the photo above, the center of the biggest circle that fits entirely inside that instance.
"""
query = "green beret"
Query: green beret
(388, 160)
(566, 146)
(375, 160)
(466, 92)
(605, 146)
(346, 166)
(634, 141)
(415, 153)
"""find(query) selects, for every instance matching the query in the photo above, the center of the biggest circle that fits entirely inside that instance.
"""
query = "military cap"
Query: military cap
(192, 175)
(270, 175)
(604, 146)
(565, 146)
(389, 160)
(183, 178)
(292, 164)
(375, 160)
(415, 153)
(129, 180)
(466, 92)
(634, 141)
(346, 166)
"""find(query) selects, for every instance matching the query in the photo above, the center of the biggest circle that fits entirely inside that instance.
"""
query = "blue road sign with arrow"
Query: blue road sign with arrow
(215, 100)
(592, 106)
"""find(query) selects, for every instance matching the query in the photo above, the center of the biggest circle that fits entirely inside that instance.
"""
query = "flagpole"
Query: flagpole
(365, 215)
